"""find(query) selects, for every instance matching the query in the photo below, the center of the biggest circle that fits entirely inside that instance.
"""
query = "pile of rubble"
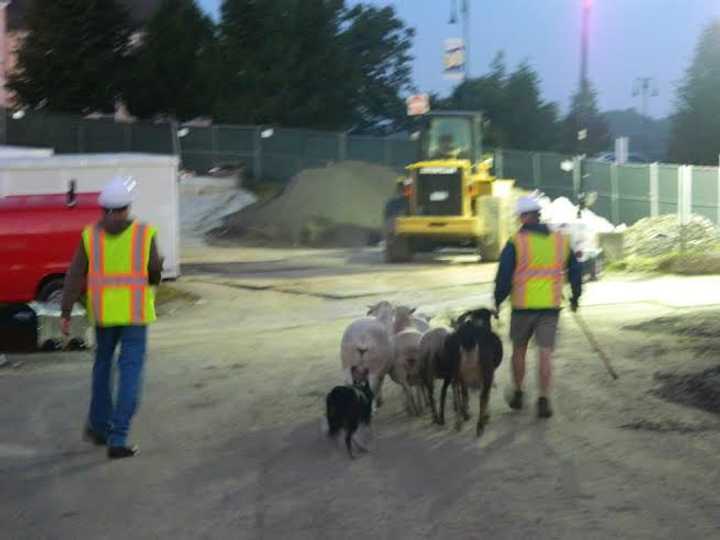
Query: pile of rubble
(656, 236)
(341, 204)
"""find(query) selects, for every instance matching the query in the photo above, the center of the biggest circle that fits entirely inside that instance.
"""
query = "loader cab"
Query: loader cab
(449, 135)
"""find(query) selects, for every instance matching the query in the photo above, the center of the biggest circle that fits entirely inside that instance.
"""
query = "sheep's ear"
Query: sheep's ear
(412, 310)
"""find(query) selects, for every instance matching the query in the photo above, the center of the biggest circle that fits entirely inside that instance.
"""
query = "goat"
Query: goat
(366, 344)
(476, 352)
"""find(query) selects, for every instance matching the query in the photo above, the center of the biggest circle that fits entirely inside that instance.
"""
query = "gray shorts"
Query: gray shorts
(542, 325)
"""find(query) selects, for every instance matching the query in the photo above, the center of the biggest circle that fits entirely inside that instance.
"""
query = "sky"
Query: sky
(628, 39)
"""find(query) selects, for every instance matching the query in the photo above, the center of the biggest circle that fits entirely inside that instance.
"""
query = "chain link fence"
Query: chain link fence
(625, 193)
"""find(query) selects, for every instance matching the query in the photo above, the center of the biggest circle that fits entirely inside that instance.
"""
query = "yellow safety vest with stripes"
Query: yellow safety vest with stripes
(119, 293)
(539, 269)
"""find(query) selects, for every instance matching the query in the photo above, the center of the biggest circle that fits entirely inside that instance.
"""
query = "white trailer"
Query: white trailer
(156, 197)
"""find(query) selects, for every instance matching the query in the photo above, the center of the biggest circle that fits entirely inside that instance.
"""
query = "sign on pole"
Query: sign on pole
(418, 104)
(454, 59)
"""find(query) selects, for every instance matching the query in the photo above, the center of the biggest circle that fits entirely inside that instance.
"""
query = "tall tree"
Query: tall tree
(585, 114)
(174, 68)
(376, 47)
(311, 63)
(696, 123)
(74, 55)
(518, 116)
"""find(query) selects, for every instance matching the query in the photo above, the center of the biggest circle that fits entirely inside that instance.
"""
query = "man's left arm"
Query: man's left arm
(155, 264)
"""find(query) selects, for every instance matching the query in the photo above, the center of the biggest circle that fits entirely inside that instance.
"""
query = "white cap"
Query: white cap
(526, 205)
(118, 193)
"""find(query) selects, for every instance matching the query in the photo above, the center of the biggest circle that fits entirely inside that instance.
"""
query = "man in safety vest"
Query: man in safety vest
(119, 262)
(533, 268)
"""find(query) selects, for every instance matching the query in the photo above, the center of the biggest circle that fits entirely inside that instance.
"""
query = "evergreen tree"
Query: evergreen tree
(584, 114)
(74, 55)
(174, 68)
(696, 124)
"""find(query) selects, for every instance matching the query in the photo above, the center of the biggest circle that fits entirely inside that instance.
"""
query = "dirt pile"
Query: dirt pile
(658, 236)
(700, 390)
(337, 205)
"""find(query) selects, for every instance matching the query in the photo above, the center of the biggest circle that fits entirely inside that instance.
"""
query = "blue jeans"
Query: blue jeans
(105, 419)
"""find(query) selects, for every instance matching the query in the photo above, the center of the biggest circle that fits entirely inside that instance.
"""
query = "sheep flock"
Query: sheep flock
(393, 341)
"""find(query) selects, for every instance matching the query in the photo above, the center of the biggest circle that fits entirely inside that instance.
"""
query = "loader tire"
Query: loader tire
(397, 249)
(489, 249)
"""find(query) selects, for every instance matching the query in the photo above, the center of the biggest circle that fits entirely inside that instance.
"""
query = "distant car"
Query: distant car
(609, 157)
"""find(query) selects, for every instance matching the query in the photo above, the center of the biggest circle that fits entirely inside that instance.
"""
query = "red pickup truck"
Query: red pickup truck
(38, 237)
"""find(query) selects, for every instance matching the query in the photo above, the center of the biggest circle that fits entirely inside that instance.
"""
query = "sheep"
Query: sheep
(405, 318)
(434, 364)
(366, 344)
(477, 352)
(405, 367)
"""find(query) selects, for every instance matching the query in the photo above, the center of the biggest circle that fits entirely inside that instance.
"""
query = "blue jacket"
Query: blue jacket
(506, 269)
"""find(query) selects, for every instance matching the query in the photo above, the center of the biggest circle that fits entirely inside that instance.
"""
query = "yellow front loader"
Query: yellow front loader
(449, 197)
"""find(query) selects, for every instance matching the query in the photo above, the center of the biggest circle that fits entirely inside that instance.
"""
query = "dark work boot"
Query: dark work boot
(544, 410)
(516, 402)
(94, 437)
(120, 452)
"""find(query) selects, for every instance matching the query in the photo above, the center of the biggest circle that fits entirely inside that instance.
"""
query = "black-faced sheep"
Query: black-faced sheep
(477, 352)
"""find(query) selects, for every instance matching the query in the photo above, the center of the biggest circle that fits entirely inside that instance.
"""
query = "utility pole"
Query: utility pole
(583, 128)
(646, 88)
(465, 11)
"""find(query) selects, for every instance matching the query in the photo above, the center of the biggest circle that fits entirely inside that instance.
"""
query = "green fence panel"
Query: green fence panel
(400, 153)
(705, 192)
(152, 139)
(634, 193)
(319, 147)
(599, 180)
(363, 148)
(519, 167)
(668, 189)
(100, 136)
(549, 176)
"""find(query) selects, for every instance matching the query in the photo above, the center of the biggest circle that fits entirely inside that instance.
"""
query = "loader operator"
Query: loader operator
(532, 270)
(119, 260)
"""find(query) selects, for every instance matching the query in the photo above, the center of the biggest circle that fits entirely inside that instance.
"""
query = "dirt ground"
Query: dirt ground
(230, 421)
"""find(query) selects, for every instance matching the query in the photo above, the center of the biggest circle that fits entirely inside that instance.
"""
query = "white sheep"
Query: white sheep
(405, 369)
(405, 318)
(366, 345)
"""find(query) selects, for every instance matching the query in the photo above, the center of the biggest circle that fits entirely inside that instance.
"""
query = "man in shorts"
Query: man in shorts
(533, 267)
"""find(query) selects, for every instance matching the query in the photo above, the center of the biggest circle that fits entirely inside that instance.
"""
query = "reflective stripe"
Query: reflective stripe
(522, 252)
(138, 243)
(138, 305)
(116, 281)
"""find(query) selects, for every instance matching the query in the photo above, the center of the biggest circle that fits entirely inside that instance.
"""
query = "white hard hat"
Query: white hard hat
(118, 193)
(526, 205)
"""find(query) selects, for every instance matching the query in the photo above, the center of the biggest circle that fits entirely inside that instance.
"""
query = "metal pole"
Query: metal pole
(466, 35)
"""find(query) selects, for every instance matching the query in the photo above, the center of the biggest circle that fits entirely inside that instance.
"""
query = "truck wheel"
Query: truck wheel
(51, 292)
(397, 249)
(488, 249)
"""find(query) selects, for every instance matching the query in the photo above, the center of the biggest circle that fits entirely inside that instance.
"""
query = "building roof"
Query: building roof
(140, 10)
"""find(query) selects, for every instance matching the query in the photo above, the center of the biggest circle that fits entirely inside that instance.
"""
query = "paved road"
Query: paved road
(230, 423)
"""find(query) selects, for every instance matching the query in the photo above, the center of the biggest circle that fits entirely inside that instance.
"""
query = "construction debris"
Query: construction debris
(657, 236)
(341, 204)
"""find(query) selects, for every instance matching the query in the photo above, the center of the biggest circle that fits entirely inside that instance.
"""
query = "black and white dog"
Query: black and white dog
(347, 408)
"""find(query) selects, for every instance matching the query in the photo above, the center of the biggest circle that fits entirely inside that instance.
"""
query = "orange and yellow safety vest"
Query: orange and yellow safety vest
(119, 293)
(539, 269)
